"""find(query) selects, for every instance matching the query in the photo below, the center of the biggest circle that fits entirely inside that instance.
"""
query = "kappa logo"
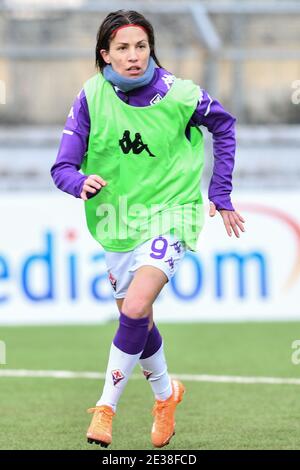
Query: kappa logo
(71, 113)
(177, 246)
(117, 376)
(113, 281)
(168, 80)
(137, 145)
(147, 373)
(170, 261)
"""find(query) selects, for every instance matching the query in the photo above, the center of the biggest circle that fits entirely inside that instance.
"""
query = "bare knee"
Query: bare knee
(136, 308)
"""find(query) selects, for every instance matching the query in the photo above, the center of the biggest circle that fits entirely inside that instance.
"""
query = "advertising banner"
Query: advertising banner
(53, 271)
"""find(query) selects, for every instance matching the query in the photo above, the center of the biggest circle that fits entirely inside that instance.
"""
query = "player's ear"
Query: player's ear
(105, 55)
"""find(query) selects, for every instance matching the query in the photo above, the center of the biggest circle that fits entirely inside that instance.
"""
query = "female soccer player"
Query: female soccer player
(134, 132)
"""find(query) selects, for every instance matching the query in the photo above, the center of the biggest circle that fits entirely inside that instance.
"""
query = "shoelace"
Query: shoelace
(101, 410)
(106, 414)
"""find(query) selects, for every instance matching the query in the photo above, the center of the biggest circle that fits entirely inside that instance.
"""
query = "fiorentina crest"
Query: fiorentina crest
(147, 373)
(117, 376)
(113, 281)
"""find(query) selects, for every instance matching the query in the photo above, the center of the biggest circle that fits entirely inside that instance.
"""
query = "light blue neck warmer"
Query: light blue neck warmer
(126, 84)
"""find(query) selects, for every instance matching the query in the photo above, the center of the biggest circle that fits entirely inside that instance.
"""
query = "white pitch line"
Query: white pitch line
(67, 374)
(54, 374)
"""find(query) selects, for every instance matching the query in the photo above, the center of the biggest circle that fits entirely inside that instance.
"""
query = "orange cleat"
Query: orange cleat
(164, 416)
(100, 430)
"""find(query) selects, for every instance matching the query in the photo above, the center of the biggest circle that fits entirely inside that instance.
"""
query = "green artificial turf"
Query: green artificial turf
(48, 413)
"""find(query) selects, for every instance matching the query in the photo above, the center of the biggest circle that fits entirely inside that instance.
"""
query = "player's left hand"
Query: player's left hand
(233, 221)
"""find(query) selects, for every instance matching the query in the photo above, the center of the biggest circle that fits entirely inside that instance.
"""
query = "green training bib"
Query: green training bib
(152, 170)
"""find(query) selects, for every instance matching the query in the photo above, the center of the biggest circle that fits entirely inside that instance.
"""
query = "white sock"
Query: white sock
(155, 368)
(116, 377)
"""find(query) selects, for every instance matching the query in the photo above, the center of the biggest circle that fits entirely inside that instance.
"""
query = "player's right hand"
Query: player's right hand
(92, 184)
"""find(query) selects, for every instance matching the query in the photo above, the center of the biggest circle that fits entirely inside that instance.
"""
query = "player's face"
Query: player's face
(128, 52)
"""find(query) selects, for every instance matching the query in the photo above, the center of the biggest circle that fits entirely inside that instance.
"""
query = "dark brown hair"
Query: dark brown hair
(113, 21)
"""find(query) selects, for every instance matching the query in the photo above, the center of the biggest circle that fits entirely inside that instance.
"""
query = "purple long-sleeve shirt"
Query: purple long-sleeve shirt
(208, 113)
